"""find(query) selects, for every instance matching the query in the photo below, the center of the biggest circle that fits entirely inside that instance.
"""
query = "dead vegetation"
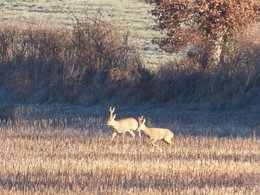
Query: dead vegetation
(46, 63)
(65, 162)
(94, 62)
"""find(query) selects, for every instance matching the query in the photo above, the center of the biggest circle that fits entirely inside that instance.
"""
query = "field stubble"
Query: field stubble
(69, 162)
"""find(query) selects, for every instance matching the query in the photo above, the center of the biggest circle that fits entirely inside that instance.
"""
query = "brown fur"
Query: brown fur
(155, 134)
(121, 126)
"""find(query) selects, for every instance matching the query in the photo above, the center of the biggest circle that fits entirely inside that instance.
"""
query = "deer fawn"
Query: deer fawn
(121, 126)
(155, 134)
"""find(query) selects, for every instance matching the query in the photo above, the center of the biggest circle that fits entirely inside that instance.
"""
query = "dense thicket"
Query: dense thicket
(94, 62)
(222, 64)
(56, 64)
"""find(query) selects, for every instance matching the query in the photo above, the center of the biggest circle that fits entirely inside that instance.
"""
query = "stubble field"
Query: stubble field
(66, 162)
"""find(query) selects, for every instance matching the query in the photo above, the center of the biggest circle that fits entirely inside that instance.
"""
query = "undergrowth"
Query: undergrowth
(94, 61)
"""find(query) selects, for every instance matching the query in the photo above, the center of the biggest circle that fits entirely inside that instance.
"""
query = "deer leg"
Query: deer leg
(140, 137)
(113, 136)
(123, 137)
(139, 132)
(168, 140)
(132, 133)
(153, 142)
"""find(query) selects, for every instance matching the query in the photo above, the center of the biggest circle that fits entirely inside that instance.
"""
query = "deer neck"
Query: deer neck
(146, 130)
(116, 124)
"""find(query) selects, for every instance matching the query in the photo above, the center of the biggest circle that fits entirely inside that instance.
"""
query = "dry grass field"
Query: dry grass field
(67, 149)
(66, 162)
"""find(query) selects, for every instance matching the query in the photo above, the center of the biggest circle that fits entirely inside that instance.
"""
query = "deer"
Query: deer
(121, 126)
(155, 134)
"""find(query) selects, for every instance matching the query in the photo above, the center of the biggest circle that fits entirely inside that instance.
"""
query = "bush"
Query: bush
(45, 64)
(235, 84)
(93, 62)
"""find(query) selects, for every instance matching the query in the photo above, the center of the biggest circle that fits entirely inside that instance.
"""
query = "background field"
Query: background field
(130, 14)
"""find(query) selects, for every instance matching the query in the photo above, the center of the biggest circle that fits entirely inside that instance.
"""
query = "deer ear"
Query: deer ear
(144, 120)
(114, 116)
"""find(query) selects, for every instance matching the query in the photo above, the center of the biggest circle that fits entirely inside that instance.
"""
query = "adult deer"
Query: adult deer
(155, 134)
(121, 126)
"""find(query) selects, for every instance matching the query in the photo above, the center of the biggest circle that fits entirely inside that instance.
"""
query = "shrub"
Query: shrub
(234, 85)
(45, 63)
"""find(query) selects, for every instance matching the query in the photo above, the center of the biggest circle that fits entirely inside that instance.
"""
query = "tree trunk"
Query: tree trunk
(214, 55)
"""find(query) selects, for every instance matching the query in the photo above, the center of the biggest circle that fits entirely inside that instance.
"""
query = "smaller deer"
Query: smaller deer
(121, 126)
(155, 134)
